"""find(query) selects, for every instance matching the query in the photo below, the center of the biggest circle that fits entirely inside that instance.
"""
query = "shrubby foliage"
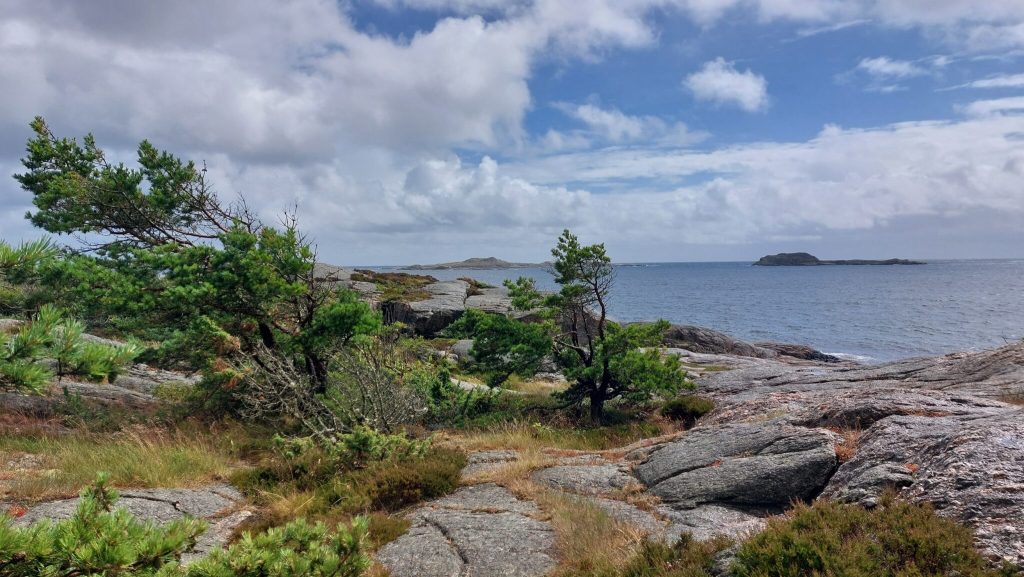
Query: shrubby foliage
(102, 540)
(687, 408)
(98, 539)
(502, 346)
(832, 539)
(51, 336)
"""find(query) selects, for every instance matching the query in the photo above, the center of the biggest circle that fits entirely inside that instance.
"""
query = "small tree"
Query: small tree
(602, 359)
(502, 346)
(164, 255)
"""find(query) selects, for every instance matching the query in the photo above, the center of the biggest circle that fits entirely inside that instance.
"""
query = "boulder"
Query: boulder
(751, 465)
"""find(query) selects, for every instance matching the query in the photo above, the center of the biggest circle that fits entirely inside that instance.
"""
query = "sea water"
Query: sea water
(873, 313)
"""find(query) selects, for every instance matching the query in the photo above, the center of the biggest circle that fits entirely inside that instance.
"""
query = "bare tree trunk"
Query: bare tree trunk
(597, 399)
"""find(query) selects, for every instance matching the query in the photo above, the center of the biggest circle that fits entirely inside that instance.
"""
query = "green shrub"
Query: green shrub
(834, 540)
(102, 541)
(687, 408)
(502, 346)
(299, 549)
(97, 540)
(368, 475)
(394, 485)
(447, 403)
(49, 335)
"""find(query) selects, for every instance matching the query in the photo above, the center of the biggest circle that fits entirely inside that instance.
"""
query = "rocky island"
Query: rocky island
(476, 263)
(806, 259)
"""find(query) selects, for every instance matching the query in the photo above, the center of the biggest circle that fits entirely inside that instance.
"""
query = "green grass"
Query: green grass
(135, 459)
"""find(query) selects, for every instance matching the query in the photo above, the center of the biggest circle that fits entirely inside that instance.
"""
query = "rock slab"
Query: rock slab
(480, 531)
(754, 465)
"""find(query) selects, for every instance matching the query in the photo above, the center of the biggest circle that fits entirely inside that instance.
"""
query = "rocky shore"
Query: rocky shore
(790, 424)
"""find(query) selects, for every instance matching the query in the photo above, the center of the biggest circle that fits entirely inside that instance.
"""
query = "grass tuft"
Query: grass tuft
(135, 458)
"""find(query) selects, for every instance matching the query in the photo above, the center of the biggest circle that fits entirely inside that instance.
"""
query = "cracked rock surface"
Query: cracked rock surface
(764, 465)
(479, 531)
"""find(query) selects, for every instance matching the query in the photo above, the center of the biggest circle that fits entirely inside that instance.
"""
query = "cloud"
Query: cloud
(718, 81)
(885, 74)
(610, 125)
(1002, 81)
(994, 107)
(885, 67)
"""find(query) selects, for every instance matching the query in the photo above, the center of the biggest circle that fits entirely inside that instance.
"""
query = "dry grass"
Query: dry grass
(587, 539)
(521, 436)
(535, 386)
(529, 460)
(135, 458)
(846, 449)
(1012, 398)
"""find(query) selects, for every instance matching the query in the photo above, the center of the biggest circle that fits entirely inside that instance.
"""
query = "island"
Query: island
(806, 259)
(477, 263)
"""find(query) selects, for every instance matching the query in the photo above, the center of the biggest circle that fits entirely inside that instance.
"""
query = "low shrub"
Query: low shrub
(832, 539)
(298, 549)
(101, 540)
(96, 540)
(396, 484)
(687, 408)
(50, 335)
(326, 483)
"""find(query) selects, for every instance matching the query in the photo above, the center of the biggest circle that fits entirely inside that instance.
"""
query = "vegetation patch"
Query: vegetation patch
(1012, 398)
(522, 435)
(475, 287)
(687, 409)
(831, 539)
(396, 286)
(687, 558)
(141, 458)
(329, 486)
(102, 539)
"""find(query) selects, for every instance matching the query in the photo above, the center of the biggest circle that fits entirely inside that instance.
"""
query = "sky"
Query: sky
(412, 131)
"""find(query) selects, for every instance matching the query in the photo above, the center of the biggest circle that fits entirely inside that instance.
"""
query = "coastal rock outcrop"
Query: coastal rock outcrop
(971, 468)
(708, 341)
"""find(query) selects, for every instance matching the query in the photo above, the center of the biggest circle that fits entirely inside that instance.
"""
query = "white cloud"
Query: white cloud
(610, 125)
(994, 107)
(885, 67)
(1003, 81)
(720, 82)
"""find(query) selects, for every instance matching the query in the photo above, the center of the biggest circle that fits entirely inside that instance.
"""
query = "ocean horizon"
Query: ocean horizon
(866, 313)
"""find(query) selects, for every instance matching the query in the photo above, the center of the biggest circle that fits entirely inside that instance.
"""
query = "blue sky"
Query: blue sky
(429, 130)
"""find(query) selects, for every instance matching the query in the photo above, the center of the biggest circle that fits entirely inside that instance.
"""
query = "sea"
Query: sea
(866, 313)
